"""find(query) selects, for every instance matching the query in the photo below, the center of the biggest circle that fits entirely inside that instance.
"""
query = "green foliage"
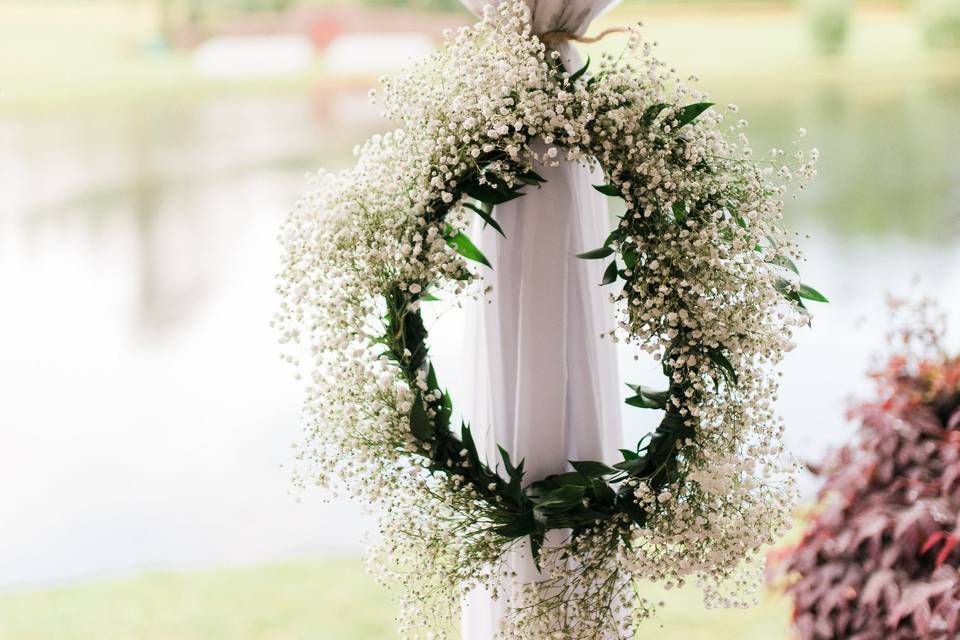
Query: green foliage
(608, 190)
(596, 254)
(419, 422)
(808, 292)
(829, 24)
(647, 398)
(576, 75)
(940, 20)
(465, 247)
(610, 274)
(691, 112)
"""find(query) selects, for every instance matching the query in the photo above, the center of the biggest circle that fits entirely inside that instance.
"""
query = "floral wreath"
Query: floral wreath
(703, 278)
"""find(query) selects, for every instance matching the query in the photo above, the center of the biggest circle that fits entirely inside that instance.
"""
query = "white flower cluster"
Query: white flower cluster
(705, 283)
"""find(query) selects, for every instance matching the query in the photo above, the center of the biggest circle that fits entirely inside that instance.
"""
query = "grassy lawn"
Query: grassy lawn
(331, 599)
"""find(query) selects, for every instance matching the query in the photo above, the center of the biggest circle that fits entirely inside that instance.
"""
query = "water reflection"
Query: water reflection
(147, 417)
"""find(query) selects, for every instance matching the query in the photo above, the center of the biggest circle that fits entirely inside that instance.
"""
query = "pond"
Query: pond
(147, 420)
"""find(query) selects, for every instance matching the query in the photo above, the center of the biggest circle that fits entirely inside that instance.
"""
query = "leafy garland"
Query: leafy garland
(706, 283)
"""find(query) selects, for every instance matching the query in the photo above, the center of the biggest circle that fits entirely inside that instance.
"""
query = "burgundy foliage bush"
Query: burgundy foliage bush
(879, 559)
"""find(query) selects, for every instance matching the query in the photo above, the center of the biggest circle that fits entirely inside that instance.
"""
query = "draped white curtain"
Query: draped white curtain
(544, 385)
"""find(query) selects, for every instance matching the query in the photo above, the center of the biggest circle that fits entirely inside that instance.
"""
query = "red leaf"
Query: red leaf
(947, 548)
(932, 541)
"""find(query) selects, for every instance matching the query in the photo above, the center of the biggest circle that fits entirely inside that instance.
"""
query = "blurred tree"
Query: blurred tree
(829, 23)
(940, 21)
(426, 5)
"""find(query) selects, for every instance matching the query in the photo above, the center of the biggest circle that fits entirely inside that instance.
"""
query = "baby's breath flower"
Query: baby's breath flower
(699, 260)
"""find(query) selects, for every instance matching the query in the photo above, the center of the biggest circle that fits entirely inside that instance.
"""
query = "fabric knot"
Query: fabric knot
(557, 37)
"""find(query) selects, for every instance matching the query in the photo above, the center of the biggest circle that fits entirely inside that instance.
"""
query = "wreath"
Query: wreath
(704, 279)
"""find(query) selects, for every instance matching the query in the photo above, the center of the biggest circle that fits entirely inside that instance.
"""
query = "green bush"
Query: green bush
(940, 21)
(829, 23)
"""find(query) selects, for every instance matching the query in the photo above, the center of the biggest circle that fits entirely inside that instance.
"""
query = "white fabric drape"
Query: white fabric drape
(544, 383)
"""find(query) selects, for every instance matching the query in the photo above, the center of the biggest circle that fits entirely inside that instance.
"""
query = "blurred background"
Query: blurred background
(149, 149)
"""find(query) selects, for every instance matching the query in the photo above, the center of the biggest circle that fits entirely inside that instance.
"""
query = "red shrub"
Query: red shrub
(879, 560)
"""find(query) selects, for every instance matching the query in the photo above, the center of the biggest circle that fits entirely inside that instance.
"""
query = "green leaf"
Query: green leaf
(808, 292)
(717, 358)
(561, 498)
(419, 422)
(532, 175)
(629, 455)
(679, 212)
(651, 112)
(486, 217)
(591, 469)
(628, 505)
(642, 402)
(691, 112)
(536, 543)
(429, 297)
(522, 525)
(614, 236)
(785, 262)
(610, 274)
(486, 193)
(786, 288)
(647, 397)
(608, 190)
(634, 466)
(465, 247)
(553, 482)
(515, 486)
(596, 254)
(466, 437)
(444, 413)
(507, 465)
(602, 492)
(579, 72)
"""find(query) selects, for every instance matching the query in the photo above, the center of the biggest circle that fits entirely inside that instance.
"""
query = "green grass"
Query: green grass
(330, 599)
